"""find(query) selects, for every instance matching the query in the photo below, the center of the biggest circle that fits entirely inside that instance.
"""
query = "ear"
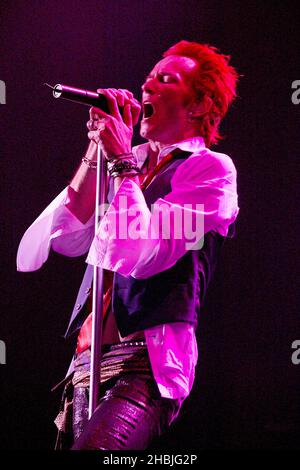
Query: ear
(201, 107)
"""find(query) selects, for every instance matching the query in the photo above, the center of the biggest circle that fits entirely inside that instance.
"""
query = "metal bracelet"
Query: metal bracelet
(115, 164)
(124, 169)
(89, 163)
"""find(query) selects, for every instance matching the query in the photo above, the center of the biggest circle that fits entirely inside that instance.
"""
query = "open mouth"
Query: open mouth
(148, 110)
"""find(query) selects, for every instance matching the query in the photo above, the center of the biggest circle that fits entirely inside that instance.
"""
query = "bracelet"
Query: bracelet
(119, 156)
(123, 164)
(123, 168)
(120, 162)
(112, 160)
(89, 163)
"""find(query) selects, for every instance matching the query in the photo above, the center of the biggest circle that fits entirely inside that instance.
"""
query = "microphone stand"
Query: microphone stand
(98, 285)
(91, 98)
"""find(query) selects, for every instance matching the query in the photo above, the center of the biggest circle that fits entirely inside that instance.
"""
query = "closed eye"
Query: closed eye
(162, 77)
(166, 78)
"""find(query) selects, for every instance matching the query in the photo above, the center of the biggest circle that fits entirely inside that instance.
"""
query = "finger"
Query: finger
(104, 90)
(113, 91)
(95, 132)
(126, 93)
(112, 102)
(120, 98)
(137, 102)
(135, 111)
(135, 105)
(94, 135)
(128, 97)
(127, 117)
(94, 124)
(90, 124)
(96, 113)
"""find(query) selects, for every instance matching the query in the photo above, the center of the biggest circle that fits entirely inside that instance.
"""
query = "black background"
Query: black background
(247, 389)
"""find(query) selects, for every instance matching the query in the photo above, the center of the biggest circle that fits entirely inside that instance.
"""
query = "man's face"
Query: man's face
(167, 99)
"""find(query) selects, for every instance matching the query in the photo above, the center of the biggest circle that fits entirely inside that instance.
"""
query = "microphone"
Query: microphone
(78, 95)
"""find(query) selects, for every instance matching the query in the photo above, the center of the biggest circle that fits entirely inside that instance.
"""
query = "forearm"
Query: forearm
(115, 133)
(82, 189)
(119, 179)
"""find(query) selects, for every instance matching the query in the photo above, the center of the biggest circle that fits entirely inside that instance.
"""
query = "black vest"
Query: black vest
(174, 295)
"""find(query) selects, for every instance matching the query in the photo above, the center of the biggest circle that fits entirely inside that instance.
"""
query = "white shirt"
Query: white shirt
(203, 188)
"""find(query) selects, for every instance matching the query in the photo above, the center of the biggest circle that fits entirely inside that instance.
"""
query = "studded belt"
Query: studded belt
(120, 358)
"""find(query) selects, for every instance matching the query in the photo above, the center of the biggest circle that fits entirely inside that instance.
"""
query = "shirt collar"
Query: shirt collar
(193, 145)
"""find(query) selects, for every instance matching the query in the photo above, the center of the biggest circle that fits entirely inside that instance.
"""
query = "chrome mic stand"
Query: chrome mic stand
(98, 284)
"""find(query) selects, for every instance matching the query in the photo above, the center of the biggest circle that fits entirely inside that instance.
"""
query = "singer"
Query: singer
(155, 282)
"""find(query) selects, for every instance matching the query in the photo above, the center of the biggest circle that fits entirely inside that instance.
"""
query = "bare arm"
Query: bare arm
(82, 189)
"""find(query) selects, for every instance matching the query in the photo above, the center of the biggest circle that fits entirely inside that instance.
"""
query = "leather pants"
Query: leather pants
(131, 411)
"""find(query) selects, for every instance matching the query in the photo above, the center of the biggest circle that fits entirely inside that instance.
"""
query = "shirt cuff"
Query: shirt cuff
(58, 227)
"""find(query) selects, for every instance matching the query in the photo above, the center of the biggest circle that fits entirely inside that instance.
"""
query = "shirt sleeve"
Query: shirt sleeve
(134, 240)
(58, 228)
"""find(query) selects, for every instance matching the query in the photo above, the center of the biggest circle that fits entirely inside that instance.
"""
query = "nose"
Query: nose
(148, 86)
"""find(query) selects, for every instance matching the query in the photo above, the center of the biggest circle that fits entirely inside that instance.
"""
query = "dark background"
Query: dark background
(247, 389)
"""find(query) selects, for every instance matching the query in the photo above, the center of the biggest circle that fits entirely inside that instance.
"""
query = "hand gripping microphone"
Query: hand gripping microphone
(78, 95)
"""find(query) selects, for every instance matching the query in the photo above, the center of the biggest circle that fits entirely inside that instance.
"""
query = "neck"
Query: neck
(153, 154)
(175, 138)
(156, 147)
